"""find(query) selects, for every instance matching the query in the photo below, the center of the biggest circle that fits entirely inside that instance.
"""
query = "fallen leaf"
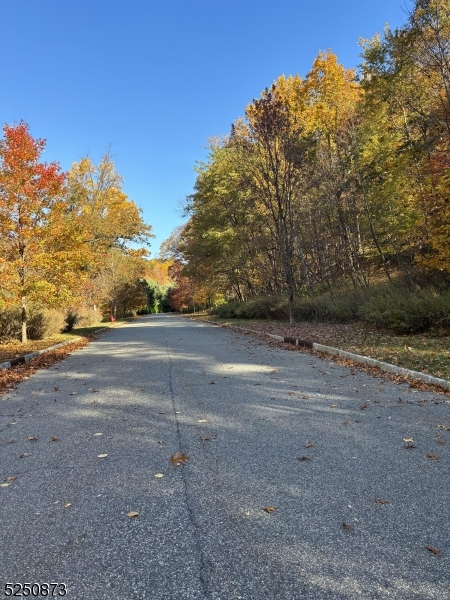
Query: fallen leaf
(309, 445)
(212, 382)
(4, 485)
(132, 514)
(204, 438)
(54, 438)
(102, 455)
(358, 421)
(270, 509)
(441, 442)
(409, 446)
(160, 442)
(12, 478)
(303, 458)
(363, 406)
(381, 501)
(443, 427)
(178, 459)
(333, 406)
(72, 394)
(399, 401)
(56, 389)
(433, 550)
(346, 526)
(410, 439)
(159, 475)
(24, 455)
(291, 393)
(93, 391)
(432, 456)
(98, 434)
(67, 505)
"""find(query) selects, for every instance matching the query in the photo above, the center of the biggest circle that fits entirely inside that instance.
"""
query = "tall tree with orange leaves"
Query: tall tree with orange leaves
(40, 248)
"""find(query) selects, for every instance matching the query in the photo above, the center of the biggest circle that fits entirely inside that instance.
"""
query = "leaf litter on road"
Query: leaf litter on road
(270, 509)
(178, 459)
(432, 456)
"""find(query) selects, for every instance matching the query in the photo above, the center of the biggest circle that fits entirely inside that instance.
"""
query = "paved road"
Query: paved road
(202, 532)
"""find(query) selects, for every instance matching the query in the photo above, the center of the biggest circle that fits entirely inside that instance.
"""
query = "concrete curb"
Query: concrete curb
(27, 357)
(358, 358)
(383, 366)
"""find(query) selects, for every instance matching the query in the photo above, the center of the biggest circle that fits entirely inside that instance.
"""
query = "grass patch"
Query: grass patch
(420, 352)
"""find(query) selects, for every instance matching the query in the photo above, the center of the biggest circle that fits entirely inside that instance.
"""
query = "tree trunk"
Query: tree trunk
(291, 307)
(24, 322)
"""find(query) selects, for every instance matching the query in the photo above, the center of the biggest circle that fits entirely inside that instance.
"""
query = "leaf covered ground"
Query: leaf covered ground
(15, 348)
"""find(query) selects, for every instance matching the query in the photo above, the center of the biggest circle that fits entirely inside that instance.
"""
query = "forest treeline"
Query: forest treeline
(333, 181)
(73, 246)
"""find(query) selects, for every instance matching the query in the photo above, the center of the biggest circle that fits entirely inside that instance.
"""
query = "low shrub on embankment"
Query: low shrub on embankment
(396, 307)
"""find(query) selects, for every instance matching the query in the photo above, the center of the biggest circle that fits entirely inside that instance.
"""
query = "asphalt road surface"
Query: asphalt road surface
(315, 443)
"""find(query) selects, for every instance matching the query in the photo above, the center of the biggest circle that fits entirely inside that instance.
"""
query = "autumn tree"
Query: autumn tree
(276, 152)
(41, 247)
(224, 240)
(113, 226)
(119, 282)
(110, 218)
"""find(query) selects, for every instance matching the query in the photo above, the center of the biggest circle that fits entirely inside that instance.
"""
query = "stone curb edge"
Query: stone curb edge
(27, 357)
(20, 360)
(371, 362)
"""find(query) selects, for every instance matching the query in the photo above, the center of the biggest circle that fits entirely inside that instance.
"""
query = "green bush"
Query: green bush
(404, 311)
(395, 306)
(10, 324)
(80, 317)
(266, 307)
(71, 319)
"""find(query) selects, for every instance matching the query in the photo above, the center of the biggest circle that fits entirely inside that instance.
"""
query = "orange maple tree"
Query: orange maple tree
(40, 247)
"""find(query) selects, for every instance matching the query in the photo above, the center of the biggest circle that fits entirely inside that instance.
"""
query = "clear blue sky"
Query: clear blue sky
(156, 79)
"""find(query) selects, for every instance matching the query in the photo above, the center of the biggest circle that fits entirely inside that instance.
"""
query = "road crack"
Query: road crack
(188, 496)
